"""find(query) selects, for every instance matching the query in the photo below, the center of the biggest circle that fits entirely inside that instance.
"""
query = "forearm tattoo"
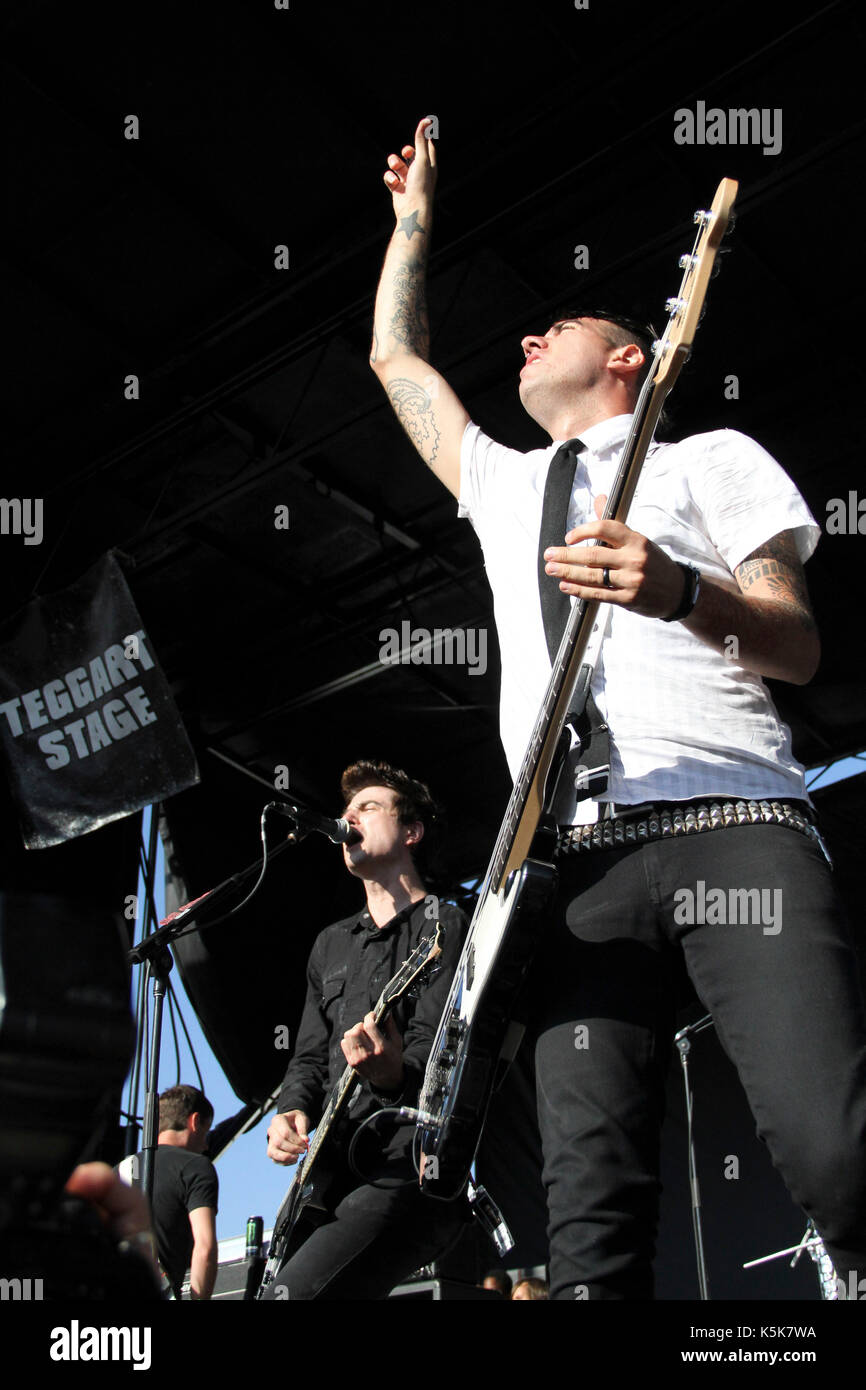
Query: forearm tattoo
(778, 563)
(414, 410)
(409, 326)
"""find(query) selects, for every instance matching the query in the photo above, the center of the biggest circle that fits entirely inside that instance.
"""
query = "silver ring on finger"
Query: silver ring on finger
(605, 578)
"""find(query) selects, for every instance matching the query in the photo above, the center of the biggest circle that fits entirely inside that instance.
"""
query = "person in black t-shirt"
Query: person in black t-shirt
(371, 1237)
(185, 1191)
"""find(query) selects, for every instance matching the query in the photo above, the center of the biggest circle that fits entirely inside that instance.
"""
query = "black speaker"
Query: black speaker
(66, 1037)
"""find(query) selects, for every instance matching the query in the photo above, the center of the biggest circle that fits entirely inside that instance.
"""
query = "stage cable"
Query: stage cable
(174, 1001)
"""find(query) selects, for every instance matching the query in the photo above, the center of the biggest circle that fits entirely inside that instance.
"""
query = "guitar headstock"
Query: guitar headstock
(673, 348)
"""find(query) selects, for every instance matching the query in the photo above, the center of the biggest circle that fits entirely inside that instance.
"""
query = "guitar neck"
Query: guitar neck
(340, 1094)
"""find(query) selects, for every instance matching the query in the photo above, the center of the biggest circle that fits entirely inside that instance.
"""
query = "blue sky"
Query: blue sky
(250, 1184)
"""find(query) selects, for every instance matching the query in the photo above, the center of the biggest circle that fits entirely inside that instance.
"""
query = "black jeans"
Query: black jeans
(778, 974)
(374, 1239)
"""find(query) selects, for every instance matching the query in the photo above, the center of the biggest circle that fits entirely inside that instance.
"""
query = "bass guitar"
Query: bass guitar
(475, 1039)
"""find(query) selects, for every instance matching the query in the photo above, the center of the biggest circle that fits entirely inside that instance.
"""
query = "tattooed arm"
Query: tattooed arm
(770, 618)
(423, 402)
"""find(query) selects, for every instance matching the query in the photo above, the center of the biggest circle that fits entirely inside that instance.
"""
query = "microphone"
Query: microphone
(338, 831)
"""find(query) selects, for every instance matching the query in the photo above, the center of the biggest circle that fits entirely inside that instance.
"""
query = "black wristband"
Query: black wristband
(691, 589)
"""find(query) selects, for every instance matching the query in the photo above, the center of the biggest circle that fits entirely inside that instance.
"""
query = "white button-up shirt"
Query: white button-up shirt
(684, 720)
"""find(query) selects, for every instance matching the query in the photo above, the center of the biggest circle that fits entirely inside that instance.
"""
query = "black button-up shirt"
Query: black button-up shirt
(350, 964)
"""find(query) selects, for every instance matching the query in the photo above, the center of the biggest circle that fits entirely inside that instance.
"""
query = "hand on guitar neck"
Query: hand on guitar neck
(376, 1053)
(771, 614)
(641, 576)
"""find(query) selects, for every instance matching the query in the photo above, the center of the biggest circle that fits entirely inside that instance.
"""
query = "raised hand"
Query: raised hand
(411, 175)
(424, 403)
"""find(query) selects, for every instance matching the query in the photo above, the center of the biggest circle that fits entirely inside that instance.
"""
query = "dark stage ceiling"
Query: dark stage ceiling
(261, 127)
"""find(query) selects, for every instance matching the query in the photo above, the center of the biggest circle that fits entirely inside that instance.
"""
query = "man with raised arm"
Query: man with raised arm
(698, 836)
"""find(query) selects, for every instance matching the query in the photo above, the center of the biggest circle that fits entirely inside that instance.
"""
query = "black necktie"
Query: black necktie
(593, 766)
(554, 512)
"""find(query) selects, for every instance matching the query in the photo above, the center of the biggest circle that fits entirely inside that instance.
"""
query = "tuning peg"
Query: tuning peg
(659, 346)
(688, 262)
(702, 218)
(675, 306)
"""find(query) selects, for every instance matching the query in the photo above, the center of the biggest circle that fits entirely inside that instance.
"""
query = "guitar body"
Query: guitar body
(301, 1211)
(476, 1039)
(306, 1197)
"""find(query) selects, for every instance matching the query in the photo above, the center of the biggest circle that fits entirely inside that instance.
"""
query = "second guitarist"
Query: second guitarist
(364, 1239)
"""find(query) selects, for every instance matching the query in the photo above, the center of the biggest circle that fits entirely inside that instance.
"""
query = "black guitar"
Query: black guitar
(307, 1186)
(475, 1039)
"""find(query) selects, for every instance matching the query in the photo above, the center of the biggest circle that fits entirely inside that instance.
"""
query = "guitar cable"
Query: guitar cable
(383, 1184)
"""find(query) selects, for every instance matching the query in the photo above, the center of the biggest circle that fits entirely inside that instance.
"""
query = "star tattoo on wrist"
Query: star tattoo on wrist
(410, 225)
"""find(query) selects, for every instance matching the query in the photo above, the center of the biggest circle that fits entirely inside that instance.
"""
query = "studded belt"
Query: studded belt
(639, 824)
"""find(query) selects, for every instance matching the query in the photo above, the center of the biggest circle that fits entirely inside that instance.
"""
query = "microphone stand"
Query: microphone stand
(153, 951)
(683, 1045)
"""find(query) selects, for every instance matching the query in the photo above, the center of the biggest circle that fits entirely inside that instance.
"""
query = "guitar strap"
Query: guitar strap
(592, 770)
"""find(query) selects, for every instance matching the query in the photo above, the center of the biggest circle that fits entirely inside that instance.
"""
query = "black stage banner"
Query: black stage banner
(89, 731)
